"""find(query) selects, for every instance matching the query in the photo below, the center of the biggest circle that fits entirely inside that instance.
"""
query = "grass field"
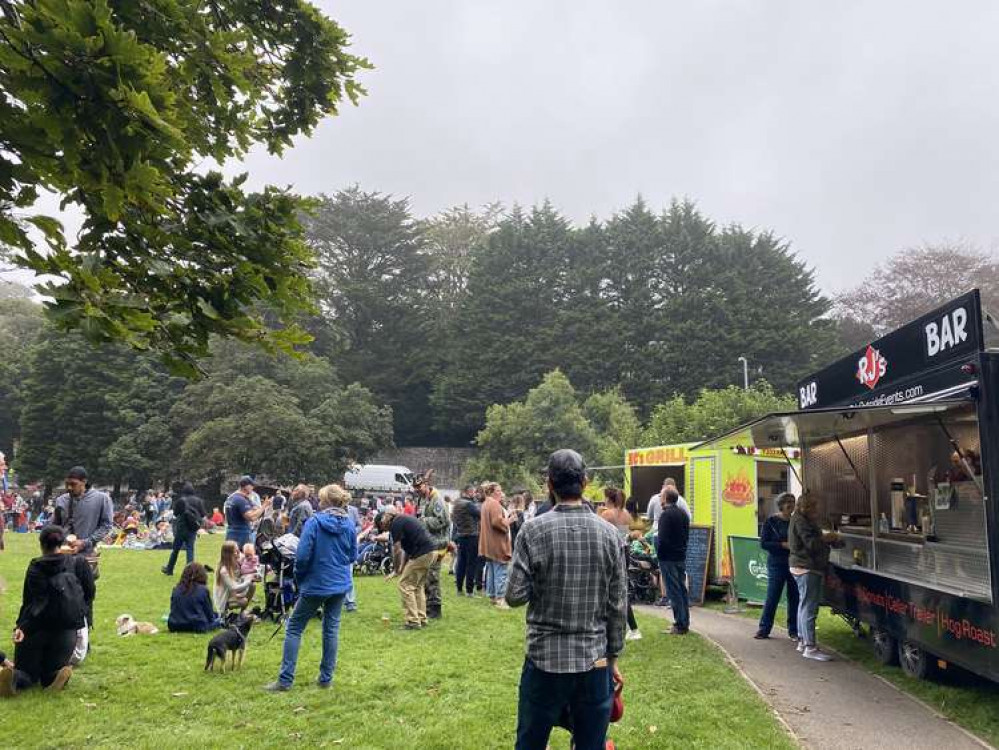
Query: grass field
(966, 699)
(451, 686)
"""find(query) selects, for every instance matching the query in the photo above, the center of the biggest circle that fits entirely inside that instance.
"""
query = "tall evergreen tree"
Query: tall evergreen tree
(509, 322)
(372, 282)
(68, 416)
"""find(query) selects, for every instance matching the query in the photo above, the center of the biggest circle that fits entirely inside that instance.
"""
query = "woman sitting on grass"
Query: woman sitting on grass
(190, 604)
(231, 592)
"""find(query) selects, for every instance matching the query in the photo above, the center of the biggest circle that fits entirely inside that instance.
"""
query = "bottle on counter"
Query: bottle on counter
(883, 527)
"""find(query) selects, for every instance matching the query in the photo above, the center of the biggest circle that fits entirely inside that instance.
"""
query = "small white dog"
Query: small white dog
(128, 626)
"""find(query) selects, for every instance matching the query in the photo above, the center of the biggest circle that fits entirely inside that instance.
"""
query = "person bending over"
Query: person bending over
(190, 603)
(53, 608)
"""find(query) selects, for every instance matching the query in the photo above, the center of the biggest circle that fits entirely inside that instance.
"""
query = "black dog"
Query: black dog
(232, 640)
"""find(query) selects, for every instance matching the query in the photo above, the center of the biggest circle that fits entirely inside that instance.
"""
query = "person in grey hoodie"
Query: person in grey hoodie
(83, 511)
(808, 558)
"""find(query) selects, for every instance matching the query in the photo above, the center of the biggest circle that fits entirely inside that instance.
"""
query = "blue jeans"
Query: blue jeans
(676, 589)
(810, 590)
(239, 536)
(305, 609)
(185, 543)
(351, 600)
(495, 579)
(779, 575)
(546, 696)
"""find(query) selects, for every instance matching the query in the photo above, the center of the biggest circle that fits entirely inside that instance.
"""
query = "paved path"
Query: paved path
(835, 705)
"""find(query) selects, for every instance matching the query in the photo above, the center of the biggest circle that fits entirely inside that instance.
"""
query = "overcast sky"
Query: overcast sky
(853, 129)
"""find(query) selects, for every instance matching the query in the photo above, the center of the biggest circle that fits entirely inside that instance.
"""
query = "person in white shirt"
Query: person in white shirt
(656, 507)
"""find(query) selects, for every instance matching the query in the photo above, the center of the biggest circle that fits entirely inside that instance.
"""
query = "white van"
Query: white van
(378, 478)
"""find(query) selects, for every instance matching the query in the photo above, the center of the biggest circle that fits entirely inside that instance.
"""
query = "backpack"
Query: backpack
(65, 607)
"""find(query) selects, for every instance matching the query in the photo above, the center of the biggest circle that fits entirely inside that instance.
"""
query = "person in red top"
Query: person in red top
(408, 507)
(217, 518)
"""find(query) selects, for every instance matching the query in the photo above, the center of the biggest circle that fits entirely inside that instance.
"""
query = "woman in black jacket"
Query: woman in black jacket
(58, 590)
(773, 539)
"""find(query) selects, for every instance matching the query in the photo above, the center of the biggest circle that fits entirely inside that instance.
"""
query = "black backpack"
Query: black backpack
(65, 608)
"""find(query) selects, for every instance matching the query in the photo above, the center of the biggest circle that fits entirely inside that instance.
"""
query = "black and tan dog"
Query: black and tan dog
(231, 641)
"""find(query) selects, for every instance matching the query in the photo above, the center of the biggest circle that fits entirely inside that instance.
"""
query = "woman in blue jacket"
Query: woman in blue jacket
(773, 539)
(326, 550)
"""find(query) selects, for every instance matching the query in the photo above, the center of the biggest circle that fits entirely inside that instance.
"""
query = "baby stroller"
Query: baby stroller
(278, 558)
(376, 559)
(643, 578)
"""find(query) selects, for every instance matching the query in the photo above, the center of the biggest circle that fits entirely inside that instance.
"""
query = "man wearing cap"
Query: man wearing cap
(568, 568)
(432, 512)
(83, 511)
(240, 513)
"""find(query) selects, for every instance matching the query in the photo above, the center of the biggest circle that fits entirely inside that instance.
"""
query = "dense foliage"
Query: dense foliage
(712, 413)
(128, 420)
(113, 105)
(519, 436)
(445, 317)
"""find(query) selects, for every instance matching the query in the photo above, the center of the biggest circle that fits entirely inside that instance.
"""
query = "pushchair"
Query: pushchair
(643, 578)
(278, 558)
(376, 559)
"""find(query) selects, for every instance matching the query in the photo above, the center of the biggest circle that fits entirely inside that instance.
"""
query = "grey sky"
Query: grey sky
(853, 129)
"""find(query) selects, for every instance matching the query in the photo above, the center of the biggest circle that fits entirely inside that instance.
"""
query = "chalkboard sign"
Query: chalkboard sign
(698, 554)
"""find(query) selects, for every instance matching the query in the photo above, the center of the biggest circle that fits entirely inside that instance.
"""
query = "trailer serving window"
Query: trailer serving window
(902, 484)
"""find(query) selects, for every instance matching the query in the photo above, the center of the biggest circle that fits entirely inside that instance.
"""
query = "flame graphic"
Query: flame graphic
(738, 490)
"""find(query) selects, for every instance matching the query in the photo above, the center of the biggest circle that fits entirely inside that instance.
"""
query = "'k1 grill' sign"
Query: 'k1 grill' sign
(910, 363)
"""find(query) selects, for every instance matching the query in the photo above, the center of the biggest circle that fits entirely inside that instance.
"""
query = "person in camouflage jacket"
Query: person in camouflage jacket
(433, 513)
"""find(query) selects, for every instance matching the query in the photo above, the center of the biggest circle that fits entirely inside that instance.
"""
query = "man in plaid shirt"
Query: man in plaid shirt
(568, 567)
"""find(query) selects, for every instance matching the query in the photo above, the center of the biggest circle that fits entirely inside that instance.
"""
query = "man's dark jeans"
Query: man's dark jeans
(41, 655)
(181, 542)
(779, 576)
(466, 569)
(674, 576)
(544, 696)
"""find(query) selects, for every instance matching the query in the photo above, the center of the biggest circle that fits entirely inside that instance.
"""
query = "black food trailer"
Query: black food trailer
(900, 444)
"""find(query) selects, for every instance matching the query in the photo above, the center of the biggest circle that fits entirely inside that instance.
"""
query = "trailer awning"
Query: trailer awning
(793, 429)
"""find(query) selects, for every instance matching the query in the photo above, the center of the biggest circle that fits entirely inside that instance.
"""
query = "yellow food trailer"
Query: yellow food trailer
(732, 489)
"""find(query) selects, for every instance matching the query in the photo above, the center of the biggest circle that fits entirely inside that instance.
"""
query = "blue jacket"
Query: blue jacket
(326, 550)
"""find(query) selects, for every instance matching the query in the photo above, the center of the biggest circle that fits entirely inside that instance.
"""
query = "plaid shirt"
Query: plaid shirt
(569, 568)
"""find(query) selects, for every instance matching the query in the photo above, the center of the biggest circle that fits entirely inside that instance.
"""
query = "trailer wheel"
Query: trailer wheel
(915, 661)
(886, 649)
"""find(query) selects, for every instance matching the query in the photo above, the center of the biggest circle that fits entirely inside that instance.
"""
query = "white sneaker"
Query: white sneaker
(811, 652)
(633, 635)
(801, 646)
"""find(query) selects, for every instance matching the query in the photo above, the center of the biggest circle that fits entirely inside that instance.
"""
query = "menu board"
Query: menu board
(698, 554)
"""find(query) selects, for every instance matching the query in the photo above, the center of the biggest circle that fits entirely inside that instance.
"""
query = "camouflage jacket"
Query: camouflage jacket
(433, 513)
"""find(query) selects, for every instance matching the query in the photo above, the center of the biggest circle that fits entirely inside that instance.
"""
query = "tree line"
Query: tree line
(443, 317)
(129, 420)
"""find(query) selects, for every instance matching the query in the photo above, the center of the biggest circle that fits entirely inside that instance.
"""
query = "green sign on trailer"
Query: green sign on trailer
(749, 567)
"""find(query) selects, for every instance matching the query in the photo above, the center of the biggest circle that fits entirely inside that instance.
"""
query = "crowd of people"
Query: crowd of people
(564, 558)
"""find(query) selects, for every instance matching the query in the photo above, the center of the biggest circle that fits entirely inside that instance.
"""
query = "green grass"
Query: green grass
(451, 686)
(966, 699)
